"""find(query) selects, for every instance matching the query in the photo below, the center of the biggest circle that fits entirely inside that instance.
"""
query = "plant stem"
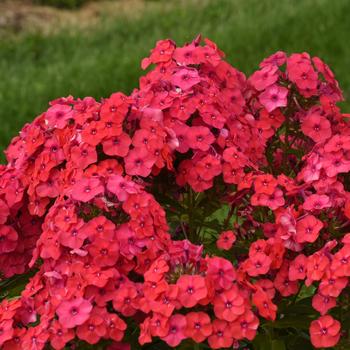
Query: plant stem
(190, 206)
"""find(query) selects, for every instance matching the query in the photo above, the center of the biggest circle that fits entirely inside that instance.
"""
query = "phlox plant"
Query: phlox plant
(206, 210)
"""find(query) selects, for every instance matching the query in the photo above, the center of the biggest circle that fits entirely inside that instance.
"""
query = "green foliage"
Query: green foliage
(69, 4)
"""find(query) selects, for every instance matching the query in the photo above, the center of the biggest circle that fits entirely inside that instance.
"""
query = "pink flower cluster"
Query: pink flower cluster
(101, 203)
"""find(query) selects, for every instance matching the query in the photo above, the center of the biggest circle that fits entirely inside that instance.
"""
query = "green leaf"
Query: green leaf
(278, 345)
(306, 292)
(262, 342)
(297, 322)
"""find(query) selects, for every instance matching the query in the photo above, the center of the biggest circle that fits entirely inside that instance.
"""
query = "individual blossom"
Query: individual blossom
(265, 77)
(323, 303)
(139, 162)
(325, 332)
(308, 228)
(124, 300)
(198, 326)
(317, 127)
(191, 290)
(58, 115)
(92, 330)
(331, 285)
(245, 326)
(121, 187)
(73, 312)
(228, 305)
(200, 137)
(177, 327)
(8, 239)
(265, 184)
(317, 202)
(221, 272)
(316, 267)
(297, 268)
(265, 306)
(273, 97)
(6, 330)
(117, 145)
(226, 240)
(185, 78)
(258, 264)
(115, 327)
(35, 338)
(60, 335)
(341, 262)
(221, 336)
(87, 189)
(104, 252)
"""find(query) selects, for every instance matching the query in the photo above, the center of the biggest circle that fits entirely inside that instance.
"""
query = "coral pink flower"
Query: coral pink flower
(86, 189)
(245, 326)
(308, 229)
(159, 325)
(266, 307)
(186, 55)
(104, 252)
(316, 127)
(209, 167)
(317, 202)
(124, 300)
(73, 312)
(139, 161)
(83, 155)
(316, 266)
(6, 330)
(331, 285)
(200, 137)
(325, 332)
(221, 336)
(191, 290)
(273, 201)
(8, 239)
(323, 303)
(265, 77)
(228, 305)
(282, 283)
(297, 268)
(58, 115)
(185, 78)
(335, 163)
(92, 330)
(73, 237)
(177, 326)
(226, 240)
(221, 272)
(35, 338)
(121, 187)
(273, 97)
(258, 264)
(341, 262)
(60, 335)
(115, 327)
(267, 286)
(198, 326)
(117, 145)
(265, 184)
(161, 53)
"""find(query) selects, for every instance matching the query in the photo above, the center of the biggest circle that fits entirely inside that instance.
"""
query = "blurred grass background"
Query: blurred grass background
(36, 68)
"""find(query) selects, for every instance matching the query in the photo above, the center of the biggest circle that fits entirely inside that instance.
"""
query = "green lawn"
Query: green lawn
(35, 69)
